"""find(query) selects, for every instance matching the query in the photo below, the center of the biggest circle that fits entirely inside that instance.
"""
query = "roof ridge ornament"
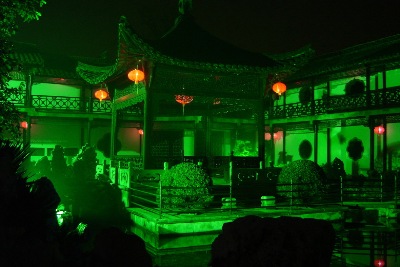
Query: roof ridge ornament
(184, 6)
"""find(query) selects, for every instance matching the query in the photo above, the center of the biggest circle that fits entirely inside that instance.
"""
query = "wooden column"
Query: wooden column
(328, 95)
(28, 89)
(113, 128)
(261, 124)
(328, 146)
(371, 143)
(312, 98)
(315, 124)
(284, 146)
(368, 84)
(271, 131)
(148, 118)
(89, 130)
(384, 85)
(384, 149)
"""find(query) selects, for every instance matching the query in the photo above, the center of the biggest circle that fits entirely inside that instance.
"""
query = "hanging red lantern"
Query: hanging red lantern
(279, 88)
(183, 99)
(101, 94)
(140, 131)
(136, 76)
(24, 124)
(379, 263)
(379, 129)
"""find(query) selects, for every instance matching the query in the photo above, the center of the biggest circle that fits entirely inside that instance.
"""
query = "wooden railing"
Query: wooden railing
(247, 186)
(368, 100)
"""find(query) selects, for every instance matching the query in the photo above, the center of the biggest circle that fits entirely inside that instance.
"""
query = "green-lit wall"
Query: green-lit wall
(55, 90)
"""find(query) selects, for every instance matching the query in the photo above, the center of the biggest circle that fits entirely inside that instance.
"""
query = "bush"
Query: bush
(308, 180)
(187, 187)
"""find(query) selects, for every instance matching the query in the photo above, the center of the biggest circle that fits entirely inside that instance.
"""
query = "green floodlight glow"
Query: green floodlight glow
(60, 218)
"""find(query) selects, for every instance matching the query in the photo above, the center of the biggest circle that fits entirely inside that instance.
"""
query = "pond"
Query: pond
(357, 244)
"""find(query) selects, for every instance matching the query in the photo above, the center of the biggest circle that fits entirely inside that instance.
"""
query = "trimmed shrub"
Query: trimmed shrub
(185, 186)
(308, 180)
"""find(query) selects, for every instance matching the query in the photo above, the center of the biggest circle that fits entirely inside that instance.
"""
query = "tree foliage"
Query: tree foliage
(12, 13)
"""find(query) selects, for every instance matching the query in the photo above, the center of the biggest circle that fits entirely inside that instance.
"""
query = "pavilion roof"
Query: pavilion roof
(186, 47)
(44, 65)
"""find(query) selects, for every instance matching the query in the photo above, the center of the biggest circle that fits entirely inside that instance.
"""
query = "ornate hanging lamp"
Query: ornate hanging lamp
(183, 99)
(279, 88)
(101, 93)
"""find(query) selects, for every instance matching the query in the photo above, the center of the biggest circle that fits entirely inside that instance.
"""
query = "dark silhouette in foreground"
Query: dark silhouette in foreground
(279, 242)
(31, 235)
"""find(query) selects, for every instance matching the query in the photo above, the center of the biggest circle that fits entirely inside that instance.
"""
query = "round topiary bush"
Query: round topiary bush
(305, 179)
(185, 186)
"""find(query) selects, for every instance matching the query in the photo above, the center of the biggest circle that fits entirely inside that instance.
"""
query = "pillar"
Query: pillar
(188, 143)
(316, 130)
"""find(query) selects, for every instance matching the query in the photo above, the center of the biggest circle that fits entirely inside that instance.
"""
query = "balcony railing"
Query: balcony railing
(368, 100)
(56, 102)
(372, 100)
(65, 103)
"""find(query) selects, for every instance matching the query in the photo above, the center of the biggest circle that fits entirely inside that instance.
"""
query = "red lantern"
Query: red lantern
(379, 130)
(379, 263)
(140, 131)
(279, 88)
(24, 124)
(136, 76)
(101, 94)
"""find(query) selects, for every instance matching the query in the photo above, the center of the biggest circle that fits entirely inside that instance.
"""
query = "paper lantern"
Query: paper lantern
(279, 88)
(24, 124)
(379, 130)
(379, 263)
(136, 76)
(101, 94)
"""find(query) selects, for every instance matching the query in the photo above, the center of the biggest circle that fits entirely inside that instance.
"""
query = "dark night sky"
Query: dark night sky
(88, 27)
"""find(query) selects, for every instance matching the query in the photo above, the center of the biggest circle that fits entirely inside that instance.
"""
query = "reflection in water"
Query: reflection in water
(357, 245)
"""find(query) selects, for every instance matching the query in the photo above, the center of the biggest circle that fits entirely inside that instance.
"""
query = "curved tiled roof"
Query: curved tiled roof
(378, 53)
(187, 46)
